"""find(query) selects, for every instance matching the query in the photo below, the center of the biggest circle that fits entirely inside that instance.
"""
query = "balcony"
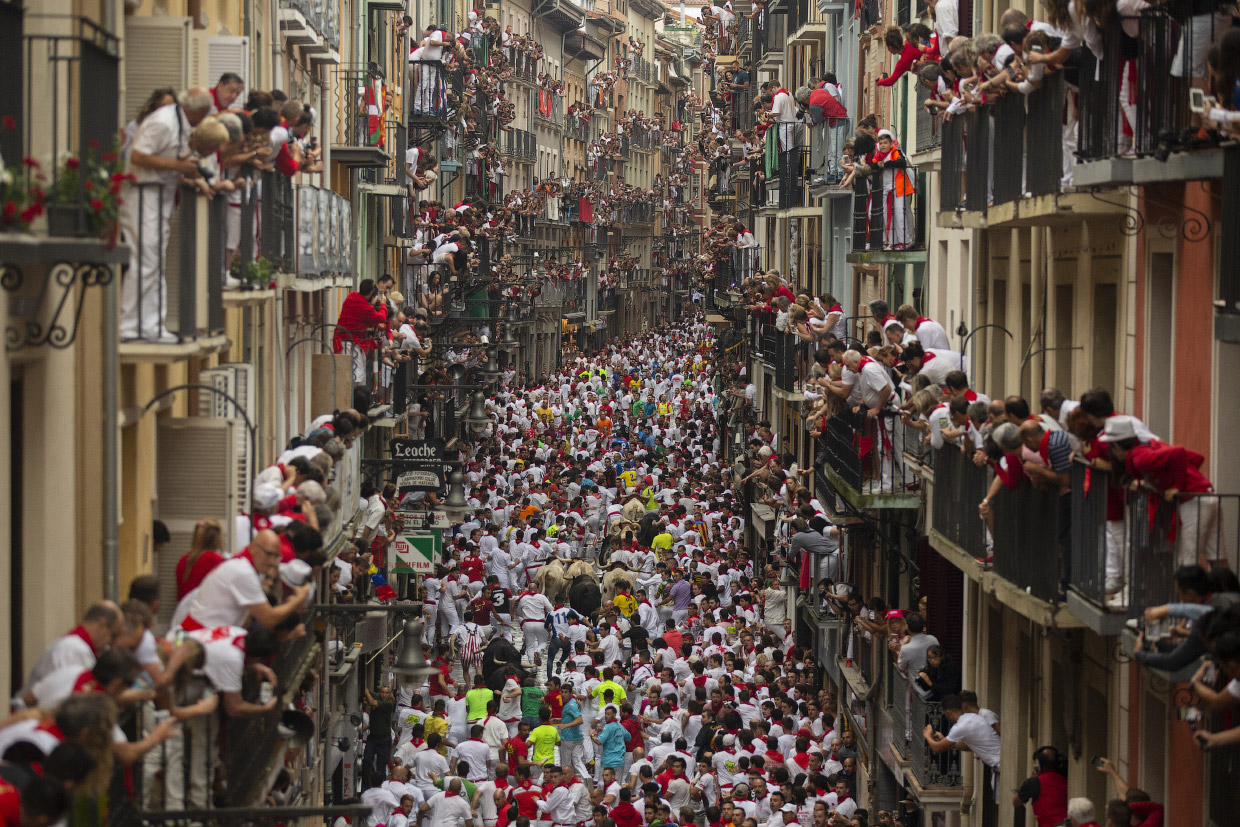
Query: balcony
(784, 353)
(360, 139)
(643, 70)
(550, 111)
(520, 145)
(313, 26)
(1157, 118)
(865, 461)
(1027, 550)
(481, 184)
(887, 217)
(793, 181)
(929, 125)
(910, 714)
(524, 67)
(578, 129)
(1027, 155)
(432, 93)
(958, 483)
(769, 40)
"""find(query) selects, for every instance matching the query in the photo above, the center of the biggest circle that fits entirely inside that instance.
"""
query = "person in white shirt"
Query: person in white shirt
(429, 765)
(80, 647)
(448, 808)
(233, 591)
(968, 731)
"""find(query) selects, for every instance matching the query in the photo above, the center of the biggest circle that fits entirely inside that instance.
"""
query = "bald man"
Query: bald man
(233, 591)
(100, 626)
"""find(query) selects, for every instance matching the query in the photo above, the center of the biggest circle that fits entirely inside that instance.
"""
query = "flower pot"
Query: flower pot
(67, 220)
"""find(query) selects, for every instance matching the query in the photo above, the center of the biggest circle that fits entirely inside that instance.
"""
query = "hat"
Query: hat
(266, 496)
(294, 573)
(894, 613)
(729, 740)
(788, 808)
(885, 133)
(1118, 429)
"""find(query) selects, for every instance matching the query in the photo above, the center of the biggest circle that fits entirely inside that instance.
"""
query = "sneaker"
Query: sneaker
(231, 282)
(1114, 585)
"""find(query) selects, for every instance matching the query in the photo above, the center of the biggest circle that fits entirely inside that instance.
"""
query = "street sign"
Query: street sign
(416, 552)
(418, 464)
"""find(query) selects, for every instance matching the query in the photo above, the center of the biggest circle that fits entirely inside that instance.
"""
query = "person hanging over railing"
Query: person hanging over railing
(911, 46)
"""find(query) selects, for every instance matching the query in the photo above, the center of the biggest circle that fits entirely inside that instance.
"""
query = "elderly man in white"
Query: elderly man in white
(158, 157)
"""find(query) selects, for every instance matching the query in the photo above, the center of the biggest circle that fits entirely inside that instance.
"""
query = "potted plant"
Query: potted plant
(21, 193)
(85, 196)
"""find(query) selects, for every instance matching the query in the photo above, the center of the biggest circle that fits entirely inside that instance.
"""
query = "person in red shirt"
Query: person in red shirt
(624, 813)
(554, 698)
(526, 794)
(361, 313)
(1175, 471)
(634, 726)
(517, 753)
(907, 45)
(205, 549)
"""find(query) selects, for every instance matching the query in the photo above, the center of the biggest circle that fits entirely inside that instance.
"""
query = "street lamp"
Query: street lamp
(477, 420)
(411, 664)
(455, 505)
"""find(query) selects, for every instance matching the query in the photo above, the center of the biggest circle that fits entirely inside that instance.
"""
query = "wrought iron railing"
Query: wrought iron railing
(1091, 489)
(886, 214)
(826, 142)
(433, 91)
(521, 144)
(910, 713)
(577, 128)
(1028, 551)
(929, 123)
(793, 169)
(1165, 533)
(867, 453)
(977, 171)
(951, 179)
(959, 485)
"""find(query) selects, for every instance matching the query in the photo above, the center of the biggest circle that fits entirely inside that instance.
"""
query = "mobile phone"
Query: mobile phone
(1098, 761)
(1188, 714)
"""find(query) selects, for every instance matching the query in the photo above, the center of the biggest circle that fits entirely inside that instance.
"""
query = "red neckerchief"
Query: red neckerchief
(1044, 450)
(865, 360)
(49, 726)
(921, 319)
(80, 632)
(970, 394)
(86, 683)
(926, 358)
(449, 793)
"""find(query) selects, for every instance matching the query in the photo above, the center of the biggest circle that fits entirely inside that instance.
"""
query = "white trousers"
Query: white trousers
(145, 219)
(1117, 552)
(1197, 534)
(357, 357)
(197, 737)
(535, 634)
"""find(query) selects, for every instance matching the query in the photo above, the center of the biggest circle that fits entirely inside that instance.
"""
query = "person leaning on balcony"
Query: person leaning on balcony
(1135, 807)
(1002, 449)
(361, 313)
(1175, 471)
(908, 46)
(158, 159)
(946, 14)
(1201, 601)
(932, 363)
(929, 332)
(969, 732)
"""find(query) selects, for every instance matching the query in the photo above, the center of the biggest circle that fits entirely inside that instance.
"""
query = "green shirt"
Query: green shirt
(476, 701)
(531, 701)
(468, 787)
(543, 740)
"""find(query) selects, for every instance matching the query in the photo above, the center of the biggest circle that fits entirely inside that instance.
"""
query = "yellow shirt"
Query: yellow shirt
(436, 725)
(661, 541)
(544, 413)
(665, 409)
(629, 478)
(542, 742)
(618, 693)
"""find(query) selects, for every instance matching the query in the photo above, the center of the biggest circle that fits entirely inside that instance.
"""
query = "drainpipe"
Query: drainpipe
(111, 436)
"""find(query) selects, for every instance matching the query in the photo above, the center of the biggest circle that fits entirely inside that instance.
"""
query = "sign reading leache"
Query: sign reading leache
(416, 552)
(418, 464)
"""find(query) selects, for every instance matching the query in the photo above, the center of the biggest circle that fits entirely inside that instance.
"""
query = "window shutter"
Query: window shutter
(198, 71)
(228, 53)
(156, 55)
(196, 461)
(236, 380)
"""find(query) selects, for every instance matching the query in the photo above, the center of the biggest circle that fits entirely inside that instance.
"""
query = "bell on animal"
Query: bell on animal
(411, 664)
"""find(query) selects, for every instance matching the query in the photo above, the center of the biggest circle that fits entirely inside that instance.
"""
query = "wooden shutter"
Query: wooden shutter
(228, 53)
(156, 55)
(196, 462)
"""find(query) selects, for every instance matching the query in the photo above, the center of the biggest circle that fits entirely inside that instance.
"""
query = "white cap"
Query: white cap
(885, 133)
(267, 496)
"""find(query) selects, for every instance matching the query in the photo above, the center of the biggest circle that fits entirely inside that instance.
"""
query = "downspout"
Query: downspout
(979, 627)
(111, 437)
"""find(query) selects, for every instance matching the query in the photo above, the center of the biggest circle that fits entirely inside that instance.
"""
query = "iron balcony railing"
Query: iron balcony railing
(910, 713)
(521, 144)
(887, 210)
(550, 108)
(175, 282)
(959, 484)
(1091, 495)
(826, 141)
(951, 179)
(433, 92)
(322, 15)
(1138, 102)
(578, 129)
(1030, 539)
(929, 123)
(524, 67)
(1164, 533)
(793, 173)
(866, 453)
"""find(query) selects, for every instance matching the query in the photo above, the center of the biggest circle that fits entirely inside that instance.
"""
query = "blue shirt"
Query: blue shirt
(571, 712)
(557, 621)
(612, 740)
